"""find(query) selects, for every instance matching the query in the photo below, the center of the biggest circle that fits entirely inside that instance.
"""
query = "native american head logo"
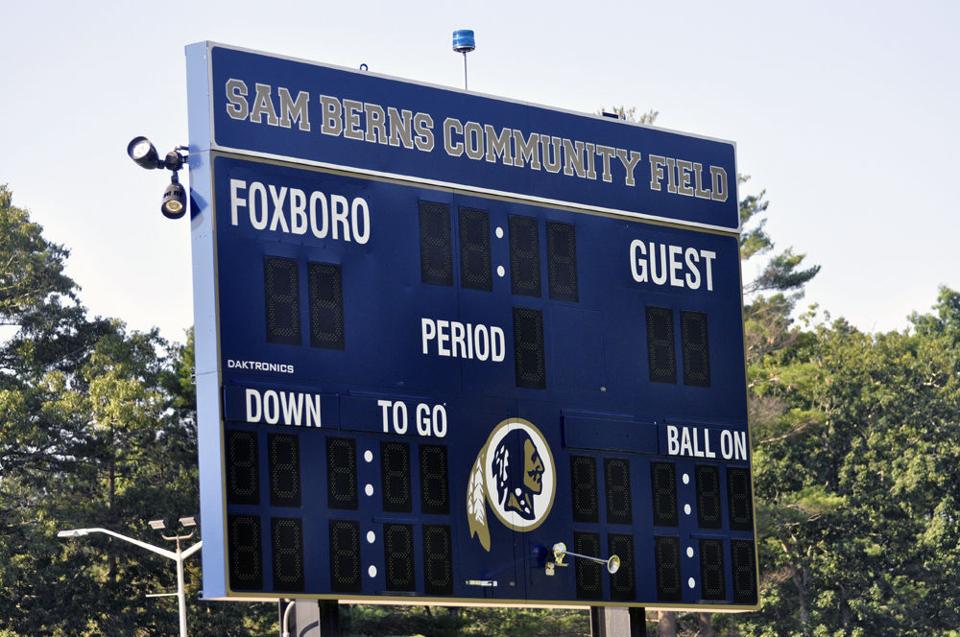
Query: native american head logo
(514, 473)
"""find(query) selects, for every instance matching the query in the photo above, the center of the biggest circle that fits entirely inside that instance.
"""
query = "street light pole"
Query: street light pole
(179, 557)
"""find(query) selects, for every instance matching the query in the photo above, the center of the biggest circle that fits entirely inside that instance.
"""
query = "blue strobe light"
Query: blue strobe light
(463, 41)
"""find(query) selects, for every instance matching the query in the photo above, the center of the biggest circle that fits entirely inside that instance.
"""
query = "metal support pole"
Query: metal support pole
(596, 621)
(615, 621)
(312, 618)
(285, 617)
(281, 611)
(181, 592)
(465, 71)
(638, 621)
(329, 618)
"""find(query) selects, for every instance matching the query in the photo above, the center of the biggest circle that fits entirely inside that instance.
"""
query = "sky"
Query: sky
(845, 113)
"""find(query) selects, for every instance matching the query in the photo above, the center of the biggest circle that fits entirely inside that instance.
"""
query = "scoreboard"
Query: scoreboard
(440, 333)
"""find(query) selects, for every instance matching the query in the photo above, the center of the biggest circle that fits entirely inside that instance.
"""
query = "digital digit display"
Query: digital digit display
(281, 286)
(284, 470)
(287, 545)
(438, 560)
(667, 561)
(708, 497)
(246, 561)
(434, 489)
(345, 556)
(713, 586)
(243, 461)
(524, 255)
(395, 470)
(589, 584)
(583, 486)
(744, 567)
(622, 585)
(398, 557)
(739, 499)
(341, 473)
(663, 478)
(436, 246)
(661, 352)
(326, 306)
(696, 349)
(531, 364)
(475, 250)
(562, 261)
(617, 481)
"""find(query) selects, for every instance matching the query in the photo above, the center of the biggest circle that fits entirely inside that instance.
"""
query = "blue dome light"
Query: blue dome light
(463, 41)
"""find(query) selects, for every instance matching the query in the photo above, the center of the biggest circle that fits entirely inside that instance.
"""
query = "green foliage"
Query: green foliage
(96, 429)
(783, 272)
(945, 322)
(754, 239)
(857, 479)
(31, 268)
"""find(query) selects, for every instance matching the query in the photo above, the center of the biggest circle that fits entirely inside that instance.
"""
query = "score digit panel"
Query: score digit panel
(409, 391)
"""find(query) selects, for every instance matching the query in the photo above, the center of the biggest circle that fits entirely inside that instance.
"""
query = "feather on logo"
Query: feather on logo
(477, 505)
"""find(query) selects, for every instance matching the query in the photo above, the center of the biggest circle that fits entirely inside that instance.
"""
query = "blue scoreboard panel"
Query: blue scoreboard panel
(440, 333)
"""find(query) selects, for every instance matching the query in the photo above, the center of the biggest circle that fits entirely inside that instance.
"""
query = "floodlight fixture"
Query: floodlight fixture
(174, 203)
(157, 525)
(72, 533)
(142, 151)
(188, 521)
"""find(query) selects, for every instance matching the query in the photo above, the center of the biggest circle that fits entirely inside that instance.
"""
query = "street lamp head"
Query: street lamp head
(157, 525)
(188, 521)
(72, 533)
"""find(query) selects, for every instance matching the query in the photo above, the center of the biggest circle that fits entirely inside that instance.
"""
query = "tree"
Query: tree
(859, 498)
(96, 429)
(31, 268)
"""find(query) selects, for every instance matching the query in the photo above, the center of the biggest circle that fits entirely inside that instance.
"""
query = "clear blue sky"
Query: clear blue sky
(846, 113)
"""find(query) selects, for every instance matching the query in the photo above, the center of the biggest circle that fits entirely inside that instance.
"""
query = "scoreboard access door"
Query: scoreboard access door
(441, 336)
